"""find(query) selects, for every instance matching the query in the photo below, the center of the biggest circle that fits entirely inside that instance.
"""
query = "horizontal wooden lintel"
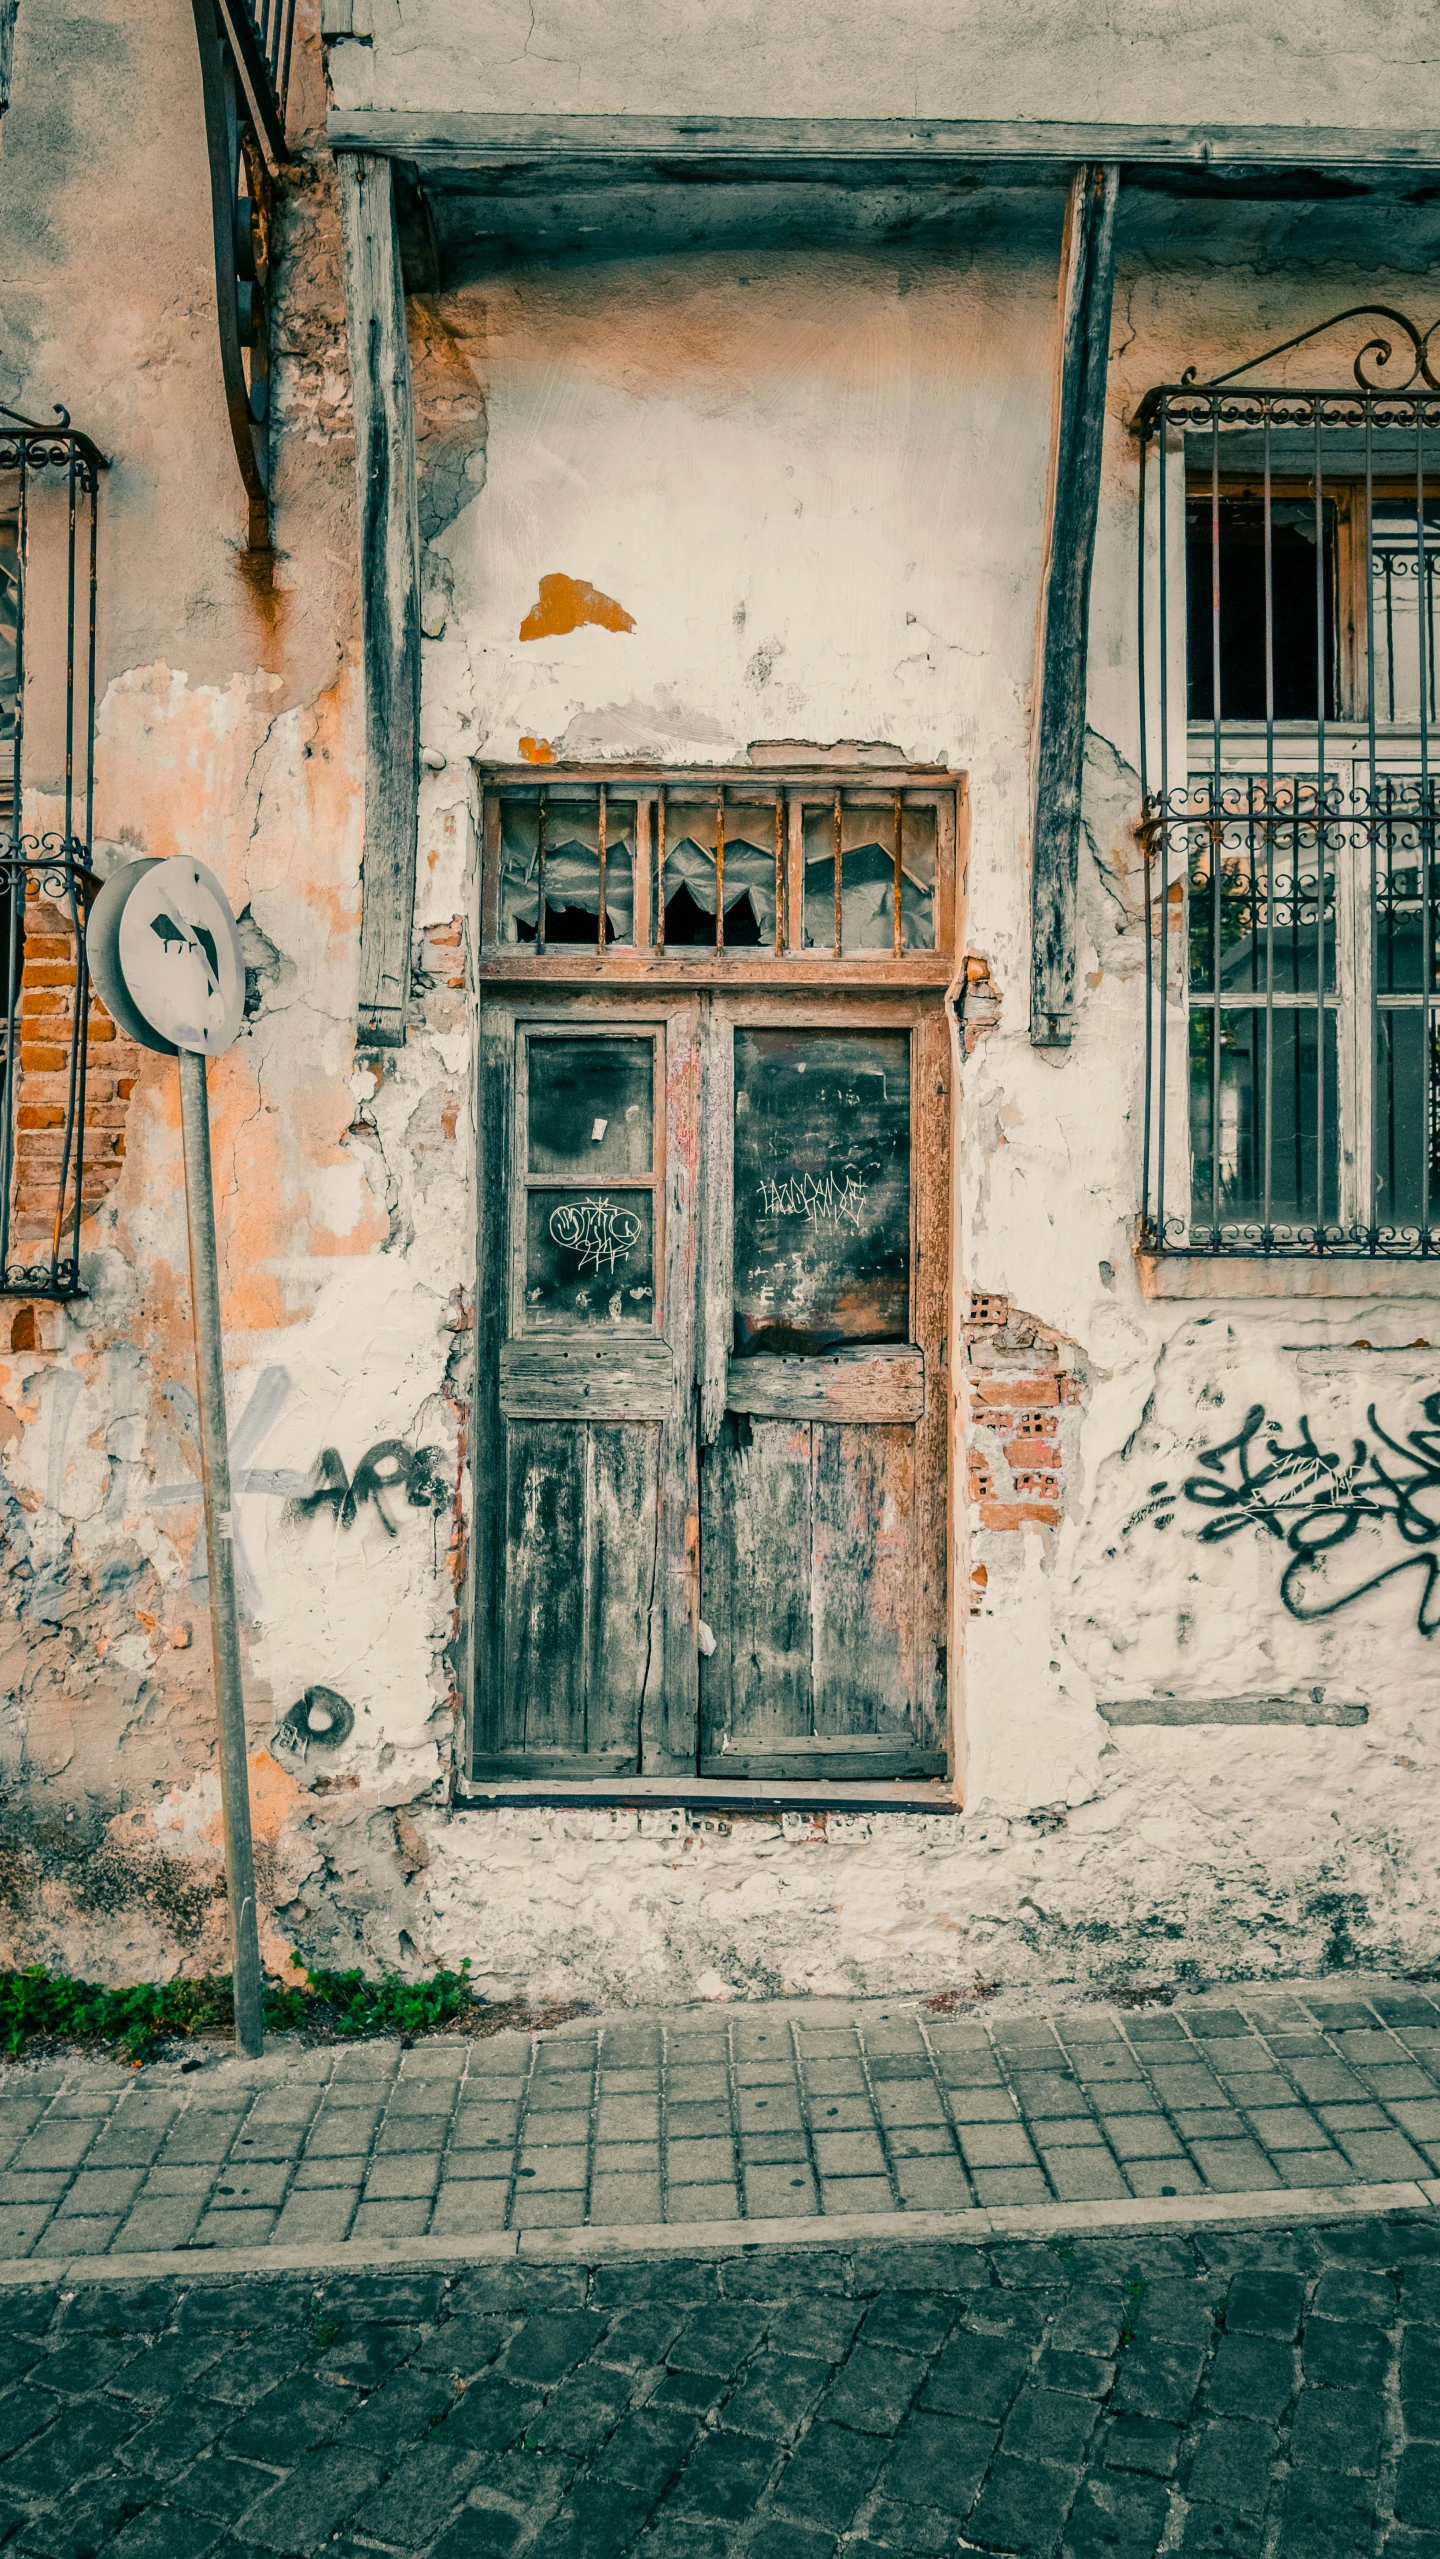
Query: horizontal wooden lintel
(578, 963)
(854, 770)
(459, 140)
(1309, 1711)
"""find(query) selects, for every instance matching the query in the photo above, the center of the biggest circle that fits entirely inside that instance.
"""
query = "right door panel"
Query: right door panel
(823, 1489)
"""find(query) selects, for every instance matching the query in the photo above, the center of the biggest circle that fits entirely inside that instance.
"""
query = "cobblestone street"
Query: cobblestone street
(1242, 2393)
(775, 2111)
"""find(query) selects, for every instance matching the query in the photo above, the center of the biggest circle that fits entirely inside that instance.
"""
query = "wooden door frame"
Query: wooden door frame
(608, 985)
(697, 1083)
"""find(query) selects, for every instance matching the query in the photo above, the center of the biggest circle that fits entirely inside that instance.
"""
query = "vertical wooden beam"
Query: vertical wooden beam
(389, 546)
(1087, 276)
(7, 47)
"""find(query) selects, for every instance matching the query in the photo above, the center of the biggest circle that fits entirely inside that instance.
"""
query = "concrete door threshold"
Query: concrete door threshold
(589, 2243)
(707, 1795)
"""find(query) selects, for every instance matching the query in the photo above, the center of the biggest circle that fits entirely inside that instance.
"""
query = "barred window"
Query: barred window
(1289, 710)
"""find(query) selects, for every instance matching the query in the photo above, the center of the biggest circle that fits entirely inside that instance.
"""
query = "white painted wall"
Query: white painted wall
(1125, 61)
(775, 461)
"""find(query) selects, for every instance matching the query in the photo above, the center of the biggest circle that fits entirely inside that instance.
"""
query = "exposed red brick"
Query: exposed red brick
(1016, 1514)
(1016, 1391)
(1031, 1452)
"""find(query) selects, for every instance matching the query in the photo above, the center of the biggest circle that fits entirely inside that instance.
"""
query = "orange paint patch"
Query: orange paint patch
(537, 750)
(273, 1795)
(567, 604)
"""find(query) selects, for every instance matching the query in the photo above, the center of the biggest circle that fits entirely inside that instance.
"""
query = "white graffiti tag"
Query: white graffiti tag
(826, 1203)
(599, 1230)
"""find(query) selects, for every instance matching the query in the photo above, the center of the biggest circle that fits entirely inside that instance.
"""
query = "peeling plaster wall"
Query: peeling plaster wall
(228, 728)
(813, 483)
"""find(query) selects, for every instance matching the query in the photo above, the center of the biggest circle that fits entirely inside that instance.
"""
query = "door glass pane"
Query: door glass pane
(589, 1259)
(822, 1189)
(592, 1106)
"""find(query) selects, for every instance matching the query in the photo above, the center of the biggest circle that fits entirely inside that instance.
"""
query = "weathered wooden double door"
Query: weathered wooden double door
(711, 1446)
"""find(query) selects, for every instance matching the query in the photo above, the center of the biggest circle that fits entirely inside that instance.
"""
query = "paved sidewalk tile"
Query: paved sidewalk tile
(780, 2109)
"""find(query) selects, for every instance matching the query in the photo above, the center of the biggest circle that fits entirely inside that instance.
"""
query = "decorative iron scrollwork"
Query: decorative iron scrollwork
(243, 72)
(1380, 349)
(1370, 367)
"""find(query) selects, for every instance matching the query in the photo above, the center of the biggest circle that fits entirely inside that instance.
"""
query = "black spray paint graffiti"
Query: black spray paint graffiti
(1314, 1500)
(388, 1467)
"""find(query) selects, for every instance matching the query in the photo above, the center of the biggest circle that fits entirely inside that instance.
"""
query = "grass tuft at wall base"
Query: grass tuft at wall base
(39, 2006)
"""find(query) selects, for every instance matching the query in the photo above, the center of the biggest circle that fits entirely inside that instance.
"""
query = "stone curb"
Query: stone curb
(586, 2244)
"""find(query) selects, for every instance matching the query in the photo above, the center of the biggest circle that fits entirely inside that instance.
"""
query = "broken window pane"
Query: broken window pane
(867, 875)
(691, 838)
(561, 836)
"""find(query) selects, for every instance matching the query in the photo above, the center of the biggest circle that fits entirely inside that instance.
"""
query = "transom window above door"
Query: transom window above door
(643, 873)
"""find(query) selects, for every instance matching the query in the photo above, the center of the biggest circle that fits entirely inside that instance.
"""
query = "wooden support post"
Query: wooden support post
(389, 589)
(1087, 278)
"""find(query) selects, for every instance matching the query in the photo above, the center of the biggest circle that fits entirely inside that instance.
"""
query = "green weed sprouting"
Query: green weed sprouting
(1134, 2294)
(138, 2018)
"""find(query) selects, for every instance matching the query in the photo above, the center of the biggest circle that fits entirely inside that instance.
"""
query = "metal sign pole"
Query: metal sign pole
(224, 1626)
(166, 961)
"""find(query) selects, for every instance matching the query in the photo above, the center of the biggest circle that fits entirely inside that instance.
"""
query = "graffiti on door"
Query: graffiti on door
(599, 1231)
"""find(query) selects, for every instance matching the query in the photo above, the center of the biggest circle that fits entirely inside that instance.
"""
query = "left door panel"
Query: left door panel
(585, 1541)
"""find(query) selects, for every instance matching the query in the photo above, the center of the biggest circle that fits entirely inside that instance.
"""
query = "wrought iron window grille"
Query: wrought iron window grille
(245, 51)
(1289, 548)
(49, 482)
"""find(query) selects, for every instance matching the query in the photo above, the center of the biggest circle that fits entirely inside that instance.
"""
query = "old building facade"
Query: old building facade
(817, 698)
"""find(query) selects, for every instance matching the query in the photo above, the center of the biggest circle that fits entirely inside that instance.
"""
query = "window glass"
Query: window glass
(1404, 554)
(867, 874)
(1407, 1110)
(691, 838)
(1235, 1055)
(1302, 582)
(1265, 911)
(9, 647)
(570, 843)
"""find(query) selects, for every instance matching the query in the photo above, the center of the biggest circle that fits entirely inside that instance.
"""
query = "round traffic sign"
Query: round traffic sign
(165, 955)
